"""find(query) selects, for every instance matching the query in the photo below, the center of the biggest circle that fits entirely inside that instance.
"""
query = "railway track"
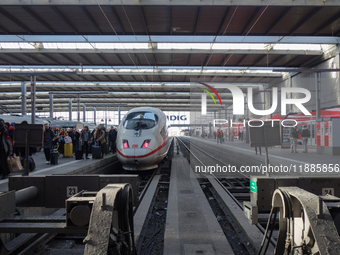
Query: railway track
(233, 189)
(49, 244)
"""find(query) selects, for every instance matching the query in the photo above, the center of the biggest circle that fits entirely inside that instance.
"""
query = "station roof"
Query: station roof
(148, 52)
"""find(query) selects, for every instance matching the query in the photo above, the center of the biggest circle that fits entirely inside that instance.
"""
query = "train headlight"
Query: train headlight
(146, 143)
(125, 144)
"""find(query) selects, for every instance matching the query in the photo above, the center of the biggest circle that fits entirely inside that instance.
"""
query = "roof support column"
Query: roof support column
(118, 115)
(84, 112)
(94, 115)
(78, 107)
(106, 116)
(23, 98)
(70, 108)
(318, 92)
(33, 81)
(51, 105)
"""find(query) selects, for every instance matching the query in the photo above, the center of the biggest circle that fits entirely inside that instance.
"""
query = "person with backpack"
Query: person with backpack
(305, 134)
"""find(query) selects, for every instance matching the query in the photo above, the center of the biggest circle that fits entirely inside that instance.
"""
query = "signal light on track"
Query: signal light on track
(125, 144)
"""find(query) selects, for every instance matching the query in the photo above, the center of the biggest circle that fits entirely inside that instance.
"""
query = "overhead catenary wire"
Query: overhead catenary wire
(107, 19)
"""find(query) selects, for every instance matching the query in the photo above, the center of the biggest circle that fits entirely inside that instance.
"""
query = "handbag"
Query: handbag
(14, 164)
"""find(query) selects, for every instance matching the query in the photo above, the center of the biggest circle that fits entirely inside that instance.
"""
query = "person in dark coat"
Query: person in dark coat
(294, 134)
(305, 134)
(49, 138)
(112, 139)
(75, 139)
(6, 149)
(85, 140)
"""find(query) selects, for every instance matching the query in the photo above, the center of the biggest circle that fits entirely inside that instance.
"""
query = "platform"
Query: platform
(65, 166)
(191, 227)
(239, 153)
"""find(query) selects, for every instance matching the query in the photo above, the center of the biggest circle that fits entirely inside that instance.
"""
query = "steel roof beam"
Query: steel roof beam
(187, 73)
(175, 2)
(158, 51)
(170, 39)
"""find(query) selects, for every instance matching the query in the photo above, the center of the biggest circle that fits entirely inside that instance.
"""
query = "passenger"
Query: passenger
(75, 139)
(219, 136)
(259, 150)
(10, 131)
(99, 137)
(112, 139)
(49, 138)
(61, 140)
(305, 134)
(85, 139)
(5, 149)
(294, 134)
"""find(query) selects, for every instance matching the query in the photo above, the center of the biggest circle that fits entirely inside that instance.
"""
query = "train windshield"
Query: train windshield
(140, 120)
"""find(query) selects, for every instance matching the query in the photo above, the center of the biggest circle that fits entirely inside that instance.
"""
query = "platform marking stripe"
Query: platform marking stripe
(43, 170)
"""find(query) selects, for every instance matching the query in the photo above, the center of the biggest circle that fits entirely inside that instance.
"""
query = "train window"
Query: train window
(140, 120)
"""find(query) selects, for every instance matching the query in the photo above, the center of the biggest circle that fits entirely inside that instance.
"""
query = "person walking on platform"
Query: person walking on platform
(5, 149)
(49, 138)
(85, 139)
(112, 139)
(99, 137)
(294, 134)
(219, 136)
(256, 150)
(305, 134)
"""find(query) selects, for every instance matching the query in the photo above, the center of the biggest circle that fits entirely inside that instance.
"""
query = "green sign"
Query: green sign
(253, 187)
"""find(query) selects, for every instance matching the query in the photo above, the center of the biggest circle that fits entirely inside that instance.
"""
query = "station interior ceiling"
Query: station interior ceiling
(130, 54)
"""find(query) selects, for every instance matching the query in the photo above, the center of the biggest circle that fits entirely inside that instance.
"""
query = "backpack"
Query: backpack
(67, 139)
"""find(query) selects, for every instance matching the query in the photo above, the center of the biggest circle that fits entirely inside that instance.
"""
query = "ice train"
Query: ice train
(142, 140)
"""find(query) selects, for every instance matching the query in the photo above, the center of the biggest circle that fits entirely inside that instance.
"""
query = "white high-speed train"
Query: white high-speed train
(17, 119)
(142, 140)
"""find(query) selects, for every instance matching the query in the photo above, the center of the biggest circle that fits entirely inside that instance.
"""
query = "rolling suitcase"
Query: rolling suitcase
(96, 151)
(31, 165)
(54, 157)
(79, 154)
(68, 150)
